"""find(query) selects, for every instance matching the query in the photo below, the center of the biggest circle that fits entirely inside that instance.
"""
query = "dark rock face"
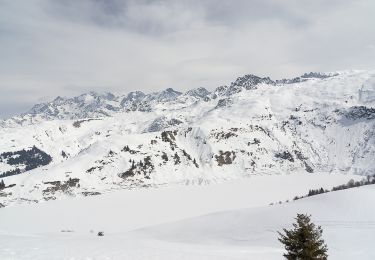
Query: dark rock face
(290, 81)
(90, 104)
(198, 93)
(360, 112)
(226, 157)
(132, 97)
(285, 156)
(60, 186)
(222, 135)
(169, 137)
(133, 102)
(219, 91)
(305, 77)
(164, 96)
(78, 123)
(251, 81)
(90, 193)
(247, 82)
(161, 123)
(318, 75)
(224, 102)
(24, 160)
(177, 159)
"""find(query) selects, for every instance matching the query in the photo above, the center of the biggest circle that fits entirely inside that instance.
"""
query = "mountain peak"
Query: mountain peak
(197, 92)
(250, 81)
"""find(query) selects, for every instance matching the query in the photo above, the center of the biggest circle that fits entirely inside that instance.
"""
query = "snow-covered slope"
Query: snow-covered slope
(96, 143)
(346, 218)
(240, 224)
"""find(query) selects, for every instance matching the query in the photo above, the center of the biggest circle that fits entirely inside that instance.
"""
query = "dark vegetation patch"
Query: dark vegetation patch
(370, 180)
(25, 160)
(144, 168)
(127, 149)
(169, 137)
(106, 160)
(3, 186)
(64, 155)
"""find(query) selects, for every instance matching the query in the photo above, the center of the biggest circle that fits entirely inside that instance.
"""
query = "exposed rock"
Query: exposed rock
(226, 157)
(223, 135)
(198, 93)
(360, 112)
(78, 123)
(90, 193)
(60, 186)
(224, 102)
(161, 123)
(285, 156)
(251, 81)
(177, 159)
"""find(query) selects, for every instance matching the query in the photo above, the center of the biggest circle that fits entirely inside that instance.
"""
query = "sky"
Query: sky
(50, 48)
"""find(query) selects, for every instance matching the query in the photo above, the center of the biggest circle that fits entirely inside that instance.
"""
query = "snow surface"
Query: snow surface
(149, 224)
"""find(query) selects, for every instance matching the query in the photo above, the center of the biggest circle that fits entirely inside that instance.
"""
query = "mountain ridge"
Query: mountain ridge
(319, 124)
(95, 104)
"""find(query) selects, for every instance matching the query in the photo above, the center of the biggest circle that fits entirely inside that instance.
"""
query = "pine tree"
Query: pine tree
(2, 184)
(304, 241)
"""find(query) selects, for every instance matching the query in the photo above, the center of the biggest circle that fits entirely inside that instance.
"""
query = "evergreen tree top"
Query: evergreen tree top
(304, 241)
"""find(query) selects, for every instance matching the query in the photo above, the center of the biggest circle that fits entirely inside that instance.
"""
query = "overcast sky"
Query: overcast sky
(50, 48)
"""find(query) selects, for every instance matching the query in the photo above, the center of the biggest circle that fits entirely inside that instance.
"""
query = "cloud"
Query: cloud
(50, 48)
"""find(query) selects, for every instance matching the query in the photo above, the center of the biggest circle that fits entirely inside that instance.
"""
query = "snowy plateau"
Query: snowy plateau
(171, 175)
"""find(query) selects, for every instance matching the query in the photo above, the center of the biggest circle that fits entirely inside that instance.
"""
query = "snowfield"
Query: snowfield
(237, 222)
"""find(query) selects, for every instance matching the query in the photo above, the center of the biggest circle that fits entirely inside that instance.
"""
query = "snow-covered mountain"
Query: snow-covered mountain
(95, 143)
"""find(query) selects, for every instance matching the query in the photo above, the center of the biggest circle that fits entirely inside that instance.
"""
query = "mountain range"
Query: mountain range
(98, 142)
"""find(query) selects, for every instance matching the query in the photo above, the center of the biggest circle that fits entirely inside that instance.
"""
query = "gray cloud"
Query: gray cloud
(168, 15)
(50, 48)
